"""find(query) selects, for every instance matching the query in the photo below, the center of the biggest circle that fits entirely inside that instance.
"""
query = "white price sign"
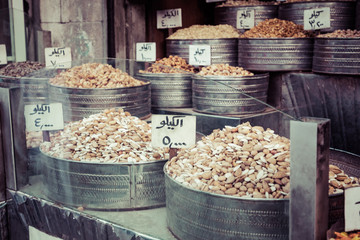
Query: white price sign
(318, 18)
(146, 52)
(173, 131)
(58, 57)
(3, 56)
(200, 55)
(245, 19)
(170, 18)
(352, 209)
(44, 117)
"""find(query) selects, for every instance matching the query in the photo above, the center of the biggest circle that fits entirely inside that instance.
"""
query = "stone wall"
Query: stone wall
(80, 25)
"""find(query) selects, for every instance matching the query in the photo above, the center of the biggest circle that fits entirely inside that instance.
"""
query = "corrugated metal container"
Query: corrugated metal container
(342, 13)
(222, 50)
(337, 56)
(227, 15)
(230, 94)
(275, 54)
(104, 186)
(169, 90)
(193, 214)
(81, 102)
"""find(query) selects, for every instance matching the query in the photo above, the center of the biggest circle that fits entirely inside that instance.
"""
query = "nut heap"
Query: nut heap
(111, 136)
(33, 139)
(20, 69)
(242, 161)
(206, 32)
(224, 70)
(172, 64)
(236, 3)
(95, 75)
(341, 33)
(338, 180)
(276, 28)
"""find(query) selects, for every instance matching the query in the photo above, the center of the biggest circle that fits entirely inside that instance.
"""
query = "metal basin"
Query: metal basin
(229, 94)
(193, 214)
(169, 90)
(337, 56)
(104, 186)
(81, 102)
(275, 54)
(222, 50)
(342, 13)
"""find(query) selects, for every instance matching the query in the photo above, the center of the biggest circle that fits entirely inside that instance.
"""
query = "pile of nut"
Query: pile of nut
(237, 3)
(113, 136)
(95, 75)
(33, 139)
(276, 28)
(20, 69)
(339, 180)
(224, 70)
(206, 32)
(172, 64)
(341, 33)
(242, 161)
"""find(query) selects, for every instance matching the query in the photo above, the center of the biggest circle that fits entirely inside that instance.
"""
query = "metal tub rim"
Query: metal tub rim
(230, 78)
(201, 39)
(165, 74)
(97, 89)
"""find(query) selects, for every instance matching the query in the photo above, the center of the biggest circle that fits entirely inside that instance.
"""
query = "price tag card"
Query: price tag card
(245, 19)
(3, 56)
(352, 209)
(173, 131)
(146, 52)
(44, 117)
(199, 55)
(170, 18)
(58, 57)
(317, 18)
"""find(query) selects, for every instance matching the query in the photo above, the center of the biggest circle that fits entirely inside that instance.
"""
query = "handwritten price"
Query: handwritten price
(167, 142)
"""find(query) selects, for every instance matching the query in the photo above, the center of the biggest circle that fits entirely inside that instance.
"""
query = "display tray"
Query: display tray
(83, 102)
(337, 56)
(275, 54)
(104, 186)
(169, 90)
(342, 13)
(194, 214)
(230, 95)
(222, 50)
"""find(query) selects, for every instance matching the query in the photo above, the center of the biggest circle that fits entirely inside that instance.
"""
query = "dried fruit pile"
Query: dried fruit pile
(347, 236)
(341, 33)
(276, 28)
(224, 70)
(20, 69)
(236, 3)
(242, 161)
(172, 64)
(112, 137)
(206, 32)
(95, 75)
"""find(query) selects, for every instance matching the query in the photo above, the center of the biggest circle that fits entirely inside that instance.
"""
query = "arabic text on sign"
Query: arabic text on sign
(41, 109)
(57, 52)
(175, 121)
(171, 13)
(145, 47)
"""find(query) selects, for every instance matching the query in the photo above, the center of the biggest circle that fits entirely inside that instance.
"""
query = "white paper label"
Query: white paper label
(317, 18)
(352, 209)
(44, 117)
(170, 18)
(58, 57)
(245, 19)
(173, 131)
(200, 55)
(3, 56)
(35, 234)
(146, 52)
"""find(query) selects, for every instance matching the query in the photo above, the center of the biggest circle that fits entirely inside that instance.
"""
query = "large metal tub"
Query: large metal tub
(227, 15)
(337, 56)
(275, 54)
(222, 50)
(342, 13)
(83, 102)
(229, 95)
(169, 90)
(193, 214)
(104, 186)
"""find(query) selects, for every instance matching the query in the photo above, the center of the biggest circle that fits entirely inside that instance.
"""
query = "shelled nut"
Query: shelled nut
(341, 33)
(236, 3)
(224, 70)
(206, 32)
(20, 69)
(171, 64)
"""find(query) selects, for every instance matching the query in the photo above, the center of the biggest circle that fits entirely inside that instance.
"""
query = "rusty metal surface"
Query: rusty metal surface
(25, 210)
(326, 96)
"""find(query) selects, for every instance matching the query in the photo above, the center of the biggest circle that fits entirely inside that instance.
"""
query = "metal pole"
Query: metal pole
(17, 30)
